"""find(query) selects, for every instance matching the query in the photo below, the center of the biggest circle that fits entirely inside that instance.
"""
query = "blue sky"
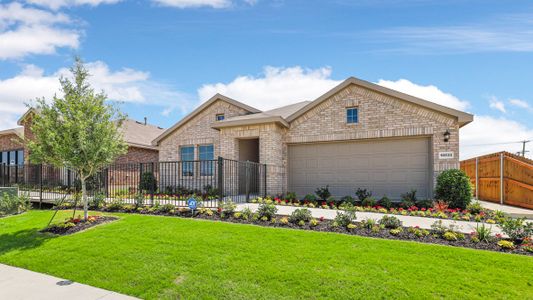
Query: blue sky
(161, 58)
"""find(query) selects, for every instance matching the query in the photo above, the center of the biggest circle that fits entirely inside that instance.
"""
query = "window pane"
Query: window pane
(20, 157)
(187, 154)
(12, 158)
(351, 115)
(220, 117)
(206, 152)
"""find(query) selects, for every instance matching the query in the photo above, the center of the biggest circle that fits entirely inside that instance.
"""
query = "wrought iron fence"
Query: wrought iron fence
(151, 183)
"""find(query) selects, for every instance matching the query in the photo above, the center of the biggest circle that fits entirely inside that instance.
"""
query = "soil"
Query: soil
(79, 226)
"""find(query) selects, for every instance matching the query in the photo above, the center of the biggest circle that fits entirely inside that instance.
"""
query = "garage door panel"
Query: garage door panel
(386, 167)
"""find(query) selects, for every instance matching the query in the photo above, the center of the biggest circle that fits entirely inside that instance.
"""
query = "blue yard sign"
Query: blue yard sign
(192, 203)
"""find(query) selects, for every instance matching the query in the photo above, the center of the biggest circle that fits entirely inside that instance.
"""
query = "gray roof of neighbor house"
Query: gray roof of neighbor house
(138, 134)
(17, 130)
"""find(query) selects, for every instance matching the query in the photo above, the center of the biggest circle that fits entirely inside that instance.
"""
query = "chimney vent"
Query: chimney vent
(145, 120)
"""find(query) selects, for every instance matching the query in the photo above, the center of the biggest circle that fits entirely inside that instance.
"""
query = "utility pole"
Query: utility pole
(524, 147)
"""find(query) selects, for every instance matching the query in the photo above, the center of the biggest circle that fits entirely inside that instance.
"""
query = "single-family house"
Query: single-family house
(357, 135)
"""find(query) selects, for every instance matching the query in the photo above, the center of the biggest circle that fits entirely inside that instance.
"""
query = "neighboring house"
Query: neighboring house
(137, 135)
(11, 146)
(357, 135)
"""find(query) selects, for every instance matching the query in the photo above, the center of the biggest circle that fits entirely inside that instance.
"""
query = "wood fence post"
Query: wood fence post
(477, 178)
(501, 178)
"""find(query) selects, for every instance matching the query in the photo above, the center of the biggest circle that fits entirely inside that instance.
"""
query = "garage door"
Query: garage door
(385, 167)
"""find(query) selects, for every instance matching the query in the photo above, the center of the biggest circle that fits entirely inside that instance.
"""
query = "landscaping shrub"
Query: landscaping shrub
(408, 199)
(267, 211)
(97, 201)
(508, 245)
(343, 219)
(368, 223)
(247, 213)
(368, 202)
(210, 191)
(483, 233)
(385, 202)
(166, 208)
(323, 192)
(424, 203)
(310, 198)
(116, 205)
(517, 229)
(227, 208)
(291, 196)
(390, 222)
(348, 199)
(13, 204)
(301, 214)
(363, 194)
(148, 182)
(453, 186)
(139, 200)
(475, 207)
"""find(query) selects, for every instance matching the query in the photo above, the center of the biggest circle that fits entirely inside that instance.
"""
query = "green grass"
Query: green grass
(164, 257)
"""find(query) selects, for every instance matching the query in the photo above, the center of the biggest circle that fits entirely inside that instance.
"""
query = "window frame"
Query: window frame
(350, 118)
(217, 117)
(187, 165)
(206, 164)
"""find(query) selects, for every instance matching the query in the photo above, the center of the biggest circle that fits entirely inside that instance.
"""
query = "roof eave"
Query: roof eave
(235, 123)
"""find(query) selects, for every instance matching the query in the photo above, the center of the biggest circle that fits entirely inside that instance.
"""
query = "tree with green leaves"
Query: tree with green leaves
(79, 131)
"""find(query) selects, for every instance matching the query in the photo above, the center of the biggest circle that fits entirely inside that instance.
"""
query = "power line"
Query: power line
(493, 144)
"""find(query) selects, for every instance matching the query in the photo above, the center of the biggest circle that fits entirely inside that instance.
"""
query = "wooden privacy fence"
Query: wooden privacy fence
(501, 177)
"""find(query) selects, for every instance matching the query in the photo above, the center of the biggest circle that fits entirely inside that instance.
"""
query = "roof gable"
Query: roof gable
(205, 105)
(462, 117)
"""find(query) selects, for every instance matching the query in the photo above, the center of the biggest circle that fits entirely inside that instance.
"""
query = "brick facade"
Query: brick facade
(138, 155)
(10, 142)
(198, 131)
(380, 116)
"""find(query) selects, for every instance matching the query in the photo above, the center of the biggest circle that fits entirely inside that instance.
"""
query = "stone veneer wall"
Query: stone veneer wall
(380, 116)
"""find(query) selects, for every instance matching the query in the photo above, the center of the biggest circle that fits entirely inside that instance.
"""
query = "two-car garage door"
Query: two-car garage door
(386, 167)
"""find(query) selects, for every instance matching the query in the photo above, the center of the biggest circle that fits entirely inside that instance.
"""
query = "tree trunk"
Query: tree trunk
(84, 199)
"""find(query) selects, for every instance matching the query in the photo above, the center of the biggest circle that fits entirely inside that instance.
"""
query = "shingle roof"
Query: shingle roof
(137, 134)
(17, 130)
(283, 112)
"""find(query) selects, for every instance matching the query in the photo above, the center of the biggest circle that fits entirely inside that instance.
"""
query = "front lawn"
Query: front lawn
(168, 257)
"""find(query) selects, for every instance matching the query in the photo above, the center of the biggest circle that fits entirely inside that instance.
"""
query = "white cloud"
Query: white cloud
(426, 92)
(520, 103)
(25, 31)
(126, 85)
(510, 33)
(488, 134)
(194, 3)
(497, 104)
(275, 87)
(57, 4)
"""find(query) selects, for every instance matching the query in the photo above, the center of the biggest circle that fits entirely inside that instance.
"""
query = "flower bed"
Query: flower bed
(345, 223)
(74, 225)
(439, 210)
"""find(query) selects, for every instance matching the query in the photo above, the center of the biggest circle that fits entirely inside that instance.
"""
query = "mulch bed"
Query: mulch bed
(60, 229)
(326, 226)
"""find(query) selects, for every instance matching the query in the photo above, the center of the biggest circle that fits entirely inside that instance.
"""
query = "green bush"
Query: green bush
(368, 202)
(301, 214)
(424, 204)
(148, 182)
(363, 194)
(343, 219)
(13, 204)
(227, 208)
(453, 187)
(323, 192)
(116, 205)
(385, 202)
(310, 198)
(517, 229)
(97, 201)
(348, 199)
(408, 199)
(291, 196)
(390, 222)
(475, 207)
(166, 208)
(267, 211)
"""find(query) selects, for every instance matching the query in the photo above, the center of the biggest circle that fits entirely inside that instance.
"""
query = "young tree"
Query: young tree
(79, 131)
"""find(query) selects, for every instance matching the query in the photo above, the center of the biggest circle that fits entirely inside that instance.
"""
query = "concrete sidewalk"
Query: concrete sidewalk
(515, 212)
(21, 284)
(422, 222)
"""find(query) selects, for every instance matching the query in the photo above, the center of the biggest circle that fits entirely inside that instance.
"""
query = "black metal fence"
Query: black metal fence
(154, 182)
